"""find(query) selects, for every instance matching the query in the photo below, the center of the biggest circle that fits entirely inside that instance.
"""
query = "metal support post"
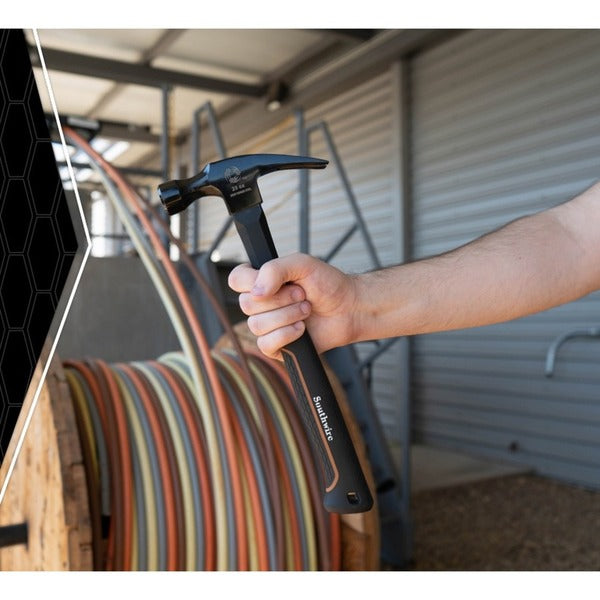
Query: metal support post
(303, 174)
(359, 221)
(195, 165)
(164, 139)
(402, 125)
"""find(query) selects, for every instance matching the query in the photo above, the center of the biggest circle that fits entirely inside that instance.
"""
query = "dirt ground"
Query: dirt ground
(516, 523)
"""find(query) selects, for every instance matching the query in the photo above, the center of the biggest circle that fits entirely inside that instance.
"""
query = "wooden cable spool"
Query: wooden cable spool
(47, 488)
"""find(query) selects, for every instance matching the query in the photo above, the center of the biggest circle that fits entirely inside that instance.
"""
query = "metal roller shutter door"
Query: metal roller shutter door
(506, 123)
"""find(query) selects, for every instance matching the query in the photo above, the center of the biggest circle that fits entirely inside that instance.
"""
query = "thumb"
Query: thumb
(279, 271)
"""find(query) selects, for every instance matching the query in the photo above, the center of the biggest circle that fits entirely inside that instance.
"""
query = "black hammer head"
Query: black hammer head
(234, 179)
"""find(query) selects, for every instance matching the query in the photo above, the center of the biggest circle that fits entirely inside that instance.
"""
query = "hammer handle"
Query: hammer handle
(346, 489)
(345, 486)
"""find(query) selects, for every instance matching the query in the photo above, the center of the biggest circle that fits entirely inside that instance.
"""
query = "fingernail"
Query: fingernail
(305, 307)
(299, 325)
(297, 295)
(258, 290)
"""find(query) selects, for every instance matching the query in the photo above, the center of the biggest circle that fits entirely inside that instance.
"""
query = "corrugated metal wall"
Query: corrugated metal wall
(360, 122)
(507, 123)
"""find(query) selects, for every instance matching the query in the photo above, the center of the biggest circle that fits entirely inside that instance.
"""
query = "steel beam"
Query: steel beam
(166, 40)
(357, 35)
(139, 171)
(124, 72)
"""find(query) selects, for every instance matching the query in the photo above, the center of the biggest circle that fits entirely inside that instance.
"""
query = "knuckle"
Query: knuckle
(265, 347)
(294, 293)
(254, 325)
(232, 279)
(245, 303)
(269, 270)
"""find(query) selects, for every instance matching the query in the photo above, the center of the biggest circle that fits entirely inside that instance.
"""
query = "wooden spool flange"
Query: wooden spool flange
(47, 488)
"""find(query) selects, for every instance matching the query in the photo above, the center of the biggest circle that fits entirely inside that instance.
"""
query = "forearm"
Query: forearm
(530, 265)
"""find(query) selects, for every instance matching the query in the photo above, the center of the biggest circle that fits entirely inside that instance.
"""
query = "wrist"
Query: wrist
(363, 318)
(388, 304)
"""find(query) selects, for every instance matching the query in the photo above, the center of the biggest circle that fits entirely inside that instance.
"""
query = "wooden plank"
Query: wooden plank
(47, 487)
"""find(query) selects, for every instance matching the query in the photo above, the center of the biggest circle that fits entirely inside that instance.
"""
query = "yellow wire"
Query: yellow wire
(126, 399)
(252, 525)
(297, 466)
(78, 396)
(201, 395)
(183, 465)
(241, 384)
(146, 471)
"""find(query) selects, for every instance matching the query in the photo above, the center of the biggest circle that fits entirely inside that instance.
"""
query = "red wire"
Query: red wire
(199, 453)
(211, 371)
(125, 550)
(112, 448)
(166, 466)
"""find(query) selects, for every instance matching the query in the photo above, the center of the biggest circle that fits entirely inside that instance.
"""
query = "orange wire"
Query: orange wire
(263, 554)
(126, 461)
(289, 497)
(115, 480)
(211, 371)
(199, 453)
(328, 543)
(164, 466)
(336, 541)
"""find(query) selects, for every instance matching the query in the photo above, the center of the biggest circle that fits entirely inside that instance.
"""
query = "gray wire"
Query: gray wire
(153, 459)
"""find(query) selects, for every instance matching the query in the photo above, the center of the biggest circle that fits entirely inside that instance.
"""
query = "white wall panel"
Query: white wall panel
(506, 123)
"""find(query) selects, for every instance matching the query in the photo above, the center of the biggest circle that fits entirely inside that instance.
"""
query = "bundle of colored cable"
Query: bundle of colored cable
(148, 471)
(139, 219)
(209, 381)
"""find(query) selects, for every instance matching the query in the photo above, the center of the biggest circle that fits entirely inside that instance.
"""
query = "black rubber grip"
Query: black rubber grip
(345, 486)
(344, 483)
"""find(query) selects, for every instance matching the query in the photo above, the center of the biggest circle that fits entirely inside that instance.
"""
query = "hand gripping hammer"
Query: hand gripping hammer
(235, 180)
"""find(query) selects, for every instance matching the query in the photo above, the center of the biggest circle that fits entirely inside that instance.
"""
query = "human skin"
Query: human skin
(529, 265)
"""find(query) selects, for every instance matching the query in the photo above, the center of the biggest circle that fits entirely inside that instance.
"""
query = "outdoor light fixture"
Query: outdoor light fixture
(277, 92)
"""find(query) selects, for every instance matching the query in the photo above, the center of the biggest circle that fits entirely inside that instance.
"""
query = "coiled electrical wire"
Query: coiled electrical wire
(233, 480)
(209, 392)
(138, 406)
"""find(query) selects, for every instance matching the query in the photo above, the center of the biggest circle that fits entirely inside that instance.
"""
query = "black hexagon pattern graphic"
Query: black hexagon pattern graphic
(37, 238)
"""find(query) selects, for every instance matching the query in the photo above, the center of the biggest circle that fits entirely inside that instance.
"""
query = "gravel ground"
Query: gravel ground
(517, 523)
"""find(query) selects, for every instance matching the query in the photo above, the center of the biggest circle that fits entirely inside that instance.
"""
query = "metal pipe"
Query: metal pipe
(195, 160)
(124, 170)
(347, 188)
(195, 142)
(110, 236)
(219, 237)
(194, 168)
(381, 348)
(304, 216)
(164, 138)
(216, 130)
(593, 332)
(146, 75)
(340, 243)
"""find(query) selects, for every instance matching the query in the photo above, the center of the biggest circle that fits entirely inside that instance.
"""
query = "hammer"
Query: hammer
(234, 179)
